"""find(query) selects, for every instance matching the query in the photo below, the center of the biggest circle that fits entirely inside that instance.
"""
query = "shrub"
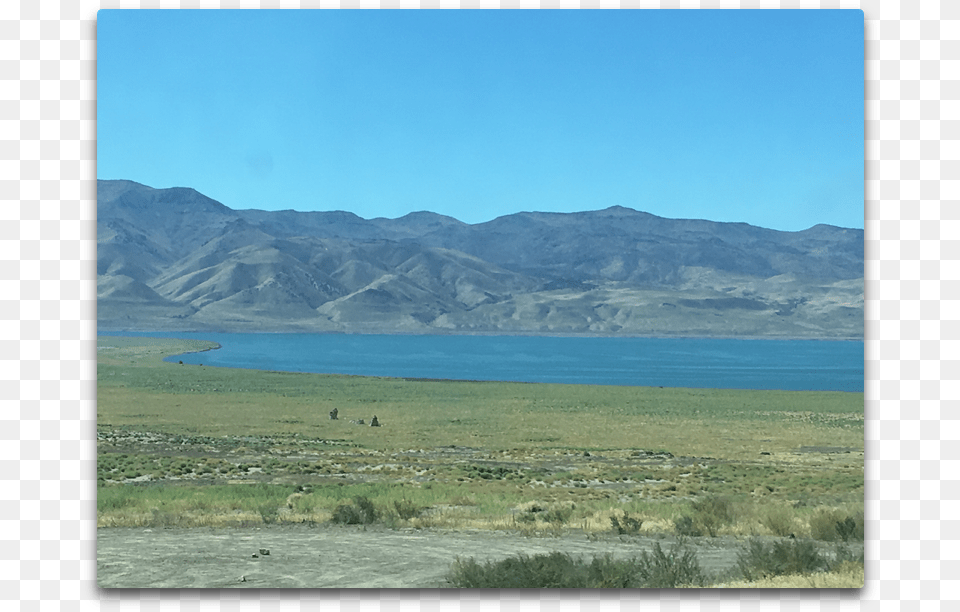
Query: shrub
(560, 570)
(268, 512)
(711, 513)
(833, 525)
(716, 505)
(360, 512)
(550, 571)
(625, 525)
(605, 572)
(779, 520)
(490, 473)
(558, 515)
(850, 528)
(823, 525)
(684, 526)
(407, 509)
(759, 560)
(668, 570)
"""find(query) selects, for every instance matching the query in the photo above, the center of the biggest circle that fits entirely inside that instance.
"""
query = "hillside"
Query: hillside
(174, 259)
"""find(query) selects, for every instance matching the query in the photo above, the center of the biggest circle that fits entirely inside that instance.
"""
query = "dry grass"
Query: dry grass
(848, 575)
(586, 447)
(136, 389)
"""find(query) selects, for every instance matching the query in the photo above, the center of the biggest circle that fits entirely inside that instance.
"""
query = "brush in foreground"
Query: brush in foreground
(659, 569)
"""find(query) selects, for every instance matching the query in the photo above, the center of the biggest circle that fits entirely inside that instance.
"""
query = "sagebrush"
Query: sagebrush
(360, 512)
(761, 559)
(657, 569)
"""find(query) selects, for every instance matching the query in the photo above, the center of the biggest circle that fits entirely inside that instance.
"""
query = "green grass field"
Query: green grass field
(197, 445)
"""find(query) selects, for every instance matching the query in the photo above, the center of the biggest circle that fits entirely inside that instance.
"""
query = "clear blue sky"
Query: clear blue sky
(753, 116)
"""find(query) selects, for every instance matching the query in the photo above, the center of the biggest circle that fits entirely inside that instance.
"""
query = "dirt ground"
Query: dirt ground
(333, 556)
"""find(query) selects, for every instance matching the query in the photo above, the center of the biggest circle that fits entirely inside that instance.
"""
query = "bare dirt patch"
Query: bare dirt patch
(331, 556)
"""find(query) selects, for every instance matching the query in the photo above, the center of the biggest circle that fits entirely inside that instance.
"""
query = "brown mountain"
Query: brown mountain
(173, 259)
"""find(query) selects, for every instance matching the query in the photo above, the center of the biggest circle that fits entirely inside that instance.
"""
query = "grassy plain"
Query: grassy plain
(193, 445)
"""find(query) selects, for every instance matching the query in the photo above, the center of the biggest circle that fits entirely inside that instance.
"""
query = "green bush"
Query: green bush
(784, 557)
(490, 473)
(779, 520)
(684, 526)
(625, 525)
(407, 509)
(557, 516)
(360, 512)
(268, 512)
(823, 525)
(711, 513)
(658, 569)
(850, 528)
(833, 525)
(551, 571)
(668, 570)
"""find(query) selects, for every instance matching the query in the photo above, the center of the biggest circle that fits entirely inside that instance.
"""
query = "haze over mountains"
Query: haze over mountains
(176, 260)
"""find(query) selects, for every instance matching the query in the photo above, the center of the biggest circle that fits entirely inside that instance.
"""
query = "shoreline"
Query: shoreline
(531, 334)
(174, 358)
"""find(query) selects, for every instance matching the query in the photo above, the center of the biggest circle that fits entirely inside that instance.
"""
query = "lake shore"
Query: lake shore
(626, 361)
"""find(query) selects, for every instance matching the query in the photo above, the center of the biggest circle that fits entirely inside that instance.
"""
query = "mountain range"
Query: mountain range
(176, 260)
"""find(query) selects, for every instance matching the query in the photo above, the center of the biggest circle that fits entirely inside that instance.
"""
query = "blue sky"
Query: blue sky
(752, 116)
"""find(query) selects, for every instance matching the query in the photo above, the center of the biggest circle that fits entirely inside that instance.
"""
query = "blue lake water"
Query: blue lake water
(667, 362)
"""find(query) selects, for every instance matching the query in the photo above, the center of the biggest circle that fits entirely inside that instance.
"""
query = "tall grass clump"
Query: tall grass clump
(360, 512)
(760, 560)
(659, 569)
(406, 509)
(547, 571)
(708, 516)
(834, 525)
(779, 520)
(668, 570)
(625, 525)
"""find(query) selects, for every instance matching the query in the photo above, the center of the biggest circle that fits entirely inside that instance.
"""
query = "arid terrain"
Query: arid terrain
(345, 556)
(200, 468)
(323, 555)
(176, 260)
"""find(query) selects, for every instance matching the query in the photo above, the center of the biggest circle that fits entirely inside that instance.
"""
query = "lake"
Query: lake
(667, 362)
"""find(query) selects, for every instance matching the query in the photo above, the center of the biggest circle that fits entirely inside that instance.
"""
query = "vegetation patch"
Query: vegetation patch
(487, 472)
(709, 515)
(675, 568)
(837, 525)
(359, 512)
(759, 559)
(625, 524)
(188, 445)
(779, 520)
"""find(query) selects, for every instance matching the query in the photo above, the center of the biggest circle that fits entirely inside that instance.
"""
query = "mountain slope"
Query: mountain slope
(175, 259)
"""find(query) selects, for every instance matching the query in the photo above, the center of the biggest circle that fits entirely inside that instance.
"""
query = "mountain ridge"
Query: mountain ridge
(174, 259)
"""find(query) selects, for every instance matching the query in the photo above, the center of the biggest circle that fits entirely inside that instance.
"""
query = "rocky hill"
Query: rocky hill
(174, 259)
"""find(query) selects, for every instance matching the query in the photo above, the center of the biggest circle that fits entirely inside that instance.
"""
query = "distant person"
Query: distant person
(374, 422)
(333, 414)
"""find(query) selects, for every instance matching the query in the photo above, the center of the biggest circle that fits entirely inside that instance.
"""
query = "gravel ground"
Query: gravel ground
(332, 556)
